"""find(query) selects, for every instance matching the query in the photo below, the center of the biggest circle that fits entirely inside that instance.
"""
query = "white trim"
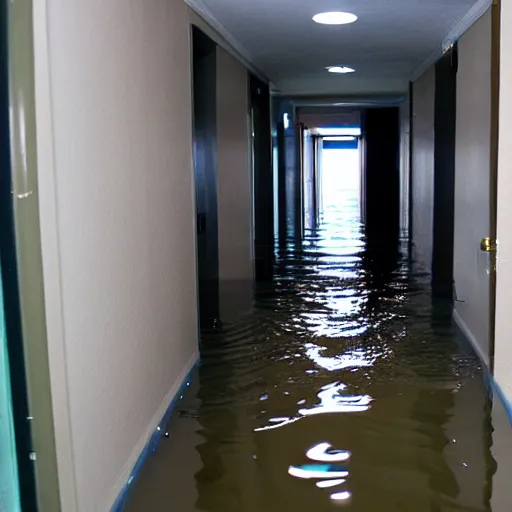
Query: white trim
(469, 19)
(242, 54)
(50, 247)
(460, 27)
(146, 437)
(471, 338)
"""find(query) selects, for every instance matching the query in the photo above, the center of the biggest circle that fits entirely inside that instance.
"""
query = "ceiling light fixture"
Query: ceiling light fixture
(334, 18)
(340, 69)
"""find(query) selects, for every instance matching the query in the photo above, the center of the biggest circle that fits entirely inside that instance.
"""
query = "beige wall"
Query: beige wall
(117, 219)
(472, 181)
(233, 173)
(503, 340)
(422, 181)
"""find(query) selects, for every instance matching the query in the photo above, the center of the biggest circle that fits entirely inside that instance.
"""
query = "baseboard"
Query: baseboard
(471, 338)
(492, 386)
(149, 441)
(496, 390)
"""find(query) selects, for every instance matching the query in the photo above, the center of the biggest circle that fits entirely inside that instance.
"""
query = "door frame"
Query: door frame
(493, 181)
(16, 75)
(205, 177)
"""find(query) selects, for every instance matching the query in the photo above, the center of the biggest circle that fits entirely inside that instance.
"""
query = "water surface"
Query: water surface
(344, 386)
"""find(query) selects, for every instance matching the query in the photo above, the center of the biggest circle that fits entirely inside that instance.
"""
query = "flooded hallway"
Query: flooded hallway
(346, 384)
(255, 256)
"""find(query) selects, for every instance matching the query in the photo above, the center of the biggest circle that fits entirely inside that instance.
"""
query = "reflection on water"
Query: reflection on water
(344, 386)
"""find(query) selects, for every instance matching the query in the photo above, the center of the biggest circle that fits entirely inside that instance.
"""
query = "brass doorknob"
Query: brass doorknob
(486, 245)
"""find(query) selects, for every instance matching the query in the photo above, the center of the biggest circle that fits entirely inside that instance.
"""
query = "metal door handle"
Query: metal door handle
(486, 245)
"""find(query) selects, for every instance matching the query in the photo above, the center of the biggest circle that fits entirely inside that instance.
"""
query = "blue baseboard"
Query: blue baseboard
(495, 389)
(152, 444)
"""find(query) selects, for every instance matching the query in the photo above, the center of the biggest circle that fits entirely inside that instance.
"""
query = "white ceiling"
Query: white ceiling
(388, 42)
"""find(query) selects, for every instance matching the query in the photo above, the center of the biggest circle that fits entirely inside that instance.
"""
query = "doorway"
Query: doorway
(263, 178)
(10, 499)
(381, 169)
(341, 172)
(17, 467)
(475, 183)
(204, 67)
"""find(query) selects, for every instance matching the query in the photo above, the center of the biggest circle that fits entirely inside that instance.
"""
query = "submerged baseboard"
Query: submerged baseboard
(496, 390)
(493, 386)
(461, 324)
(156, 429)
(149, 441)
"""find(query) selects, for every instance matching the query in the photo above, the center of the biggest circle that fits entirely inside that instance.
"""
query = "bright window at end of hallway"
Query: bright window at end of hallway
(9, 486)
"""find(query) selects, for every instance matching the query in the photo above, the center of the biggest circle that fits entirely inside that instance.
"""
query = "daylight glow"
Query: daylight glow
(334, 18)
(340, 69)
(354, 131)
(339, 139)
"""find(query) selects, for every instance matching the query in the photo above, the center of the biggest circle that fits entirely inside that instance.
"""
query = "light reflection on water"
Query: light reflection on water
(345, 384)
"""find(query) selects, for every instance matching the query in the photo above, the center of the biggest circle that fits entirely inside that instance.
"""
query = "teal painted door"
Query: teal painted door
(9, 487)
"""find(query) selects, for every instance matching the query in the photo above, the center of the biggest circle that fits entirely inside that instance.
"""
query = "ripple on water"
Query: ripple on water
(344, 381)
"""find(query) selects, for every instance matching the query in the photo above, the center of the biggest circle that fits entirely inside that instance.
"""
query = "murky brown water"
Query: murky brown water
(344, 388)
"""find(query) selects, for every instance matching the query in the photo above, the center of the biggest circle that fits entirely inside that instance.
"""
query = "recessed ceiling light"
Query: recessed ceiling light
(334, 18)
(340, 69)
